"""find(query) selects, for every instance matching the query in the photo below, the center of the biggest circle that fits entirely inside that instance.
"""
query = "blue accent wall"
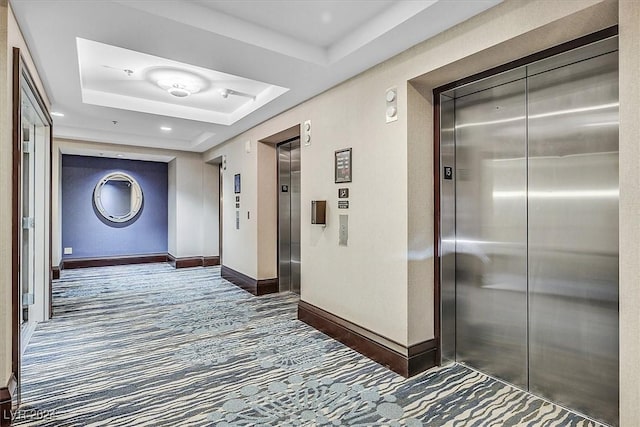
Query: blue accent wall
(91, 236)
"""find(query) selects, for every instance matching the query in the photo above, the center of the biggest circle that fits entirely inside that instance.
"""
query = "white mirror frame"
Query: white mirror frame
(136, 197)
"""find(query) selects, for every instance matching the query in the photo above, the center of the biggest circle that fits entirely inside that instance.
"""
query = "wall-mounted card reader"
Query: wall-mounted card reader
(319, 212)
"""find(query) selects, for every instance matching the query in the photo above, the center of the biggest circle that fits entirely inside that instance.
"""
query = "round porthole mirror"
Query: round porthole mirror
(118, 197)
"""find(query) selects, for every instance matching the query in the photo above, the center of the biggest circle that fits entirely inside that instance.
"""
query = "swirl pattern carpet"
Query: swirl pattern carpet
(149, 345)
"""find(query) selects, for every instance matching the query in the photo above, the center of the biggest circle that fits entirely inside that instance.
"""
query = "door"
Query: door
(529, 226)
(28, 264)
(289, 216)
(573, 235)
(491, 231)
(31, 259)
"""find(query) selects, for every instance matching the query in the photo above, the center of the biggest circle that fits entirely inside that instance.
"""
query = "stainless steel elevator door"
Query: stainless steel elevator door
(531, 225)
(289, 216)
(491, 231)
(573, 235)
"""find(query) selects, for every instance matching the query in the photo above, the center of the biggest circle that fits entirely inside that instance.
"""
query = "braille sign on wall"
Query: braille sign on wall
(343, 193)
(343, 204)
(448, 172)
(237, 220)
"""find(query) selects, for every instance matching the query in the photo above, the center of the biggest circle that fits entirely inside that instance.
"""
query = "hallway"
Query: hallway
(150, 345)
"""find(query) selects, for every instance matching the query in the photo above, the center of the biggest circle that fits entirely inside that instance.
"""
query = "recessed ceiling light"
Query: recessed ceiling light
(165, 128)
(57, 114)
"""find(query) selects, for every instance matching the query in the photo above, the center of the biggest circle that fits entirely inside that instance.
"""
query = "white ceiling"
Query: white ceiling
(111, 76)
(306, 46)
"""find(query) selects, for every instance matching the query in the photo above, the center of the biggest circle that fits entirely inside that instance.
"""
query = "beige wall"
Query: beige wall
(210, 206)
(6, 194)
(267, 211)
(383, 280)
(10, 37)
(188, 219)
(239, 246)
(629, 210)
(172, 232)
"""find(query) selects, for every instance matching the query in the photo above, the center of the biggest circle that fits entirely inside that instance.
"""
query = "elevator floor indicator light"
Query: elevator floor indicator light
(448, 172)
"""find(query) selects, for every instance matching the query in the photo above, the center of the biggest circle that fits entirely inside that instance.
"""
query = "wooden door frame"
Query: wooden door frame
(20, 70)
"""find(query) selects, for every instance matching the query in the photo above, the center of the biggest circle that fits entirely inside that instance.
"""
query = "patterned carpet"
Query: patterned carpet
(153, 346)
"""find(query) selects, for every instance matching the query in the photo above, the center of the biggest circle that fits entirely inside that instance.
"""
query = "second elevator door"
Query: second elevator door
(289, 216)
(536, 228)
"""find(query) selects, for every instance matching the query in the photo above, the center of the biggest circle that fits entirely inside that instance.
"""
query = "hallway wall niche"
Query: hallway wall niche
(91, 236)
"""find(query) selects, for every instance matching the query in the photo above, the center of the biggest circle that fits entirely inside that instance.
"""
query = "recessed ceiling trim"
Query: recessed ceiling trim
(201, 139)
(74, 149)
(374, 28)
(220, 23)
(83, 134)
(116, 77)
(112, 100)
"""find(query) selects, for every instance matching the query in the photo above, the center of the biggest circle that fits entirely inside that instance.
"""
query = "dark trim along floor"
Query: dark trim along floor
(67, 264)
(110, 261)
(418, 358)
(7, 397)
(196, 261)
(251, 285)
(55, 271)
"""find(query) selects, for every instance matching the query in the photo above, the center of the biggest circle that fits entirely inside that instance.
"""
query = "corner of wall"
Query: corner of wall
(171, 208)
(267, 211)
(629, 30)
(210, 210)
(420, 217)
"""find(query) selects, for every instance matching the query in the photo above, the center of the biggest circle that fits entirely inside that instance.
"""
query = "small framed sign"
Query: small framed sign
(236, 183)
(343, 165)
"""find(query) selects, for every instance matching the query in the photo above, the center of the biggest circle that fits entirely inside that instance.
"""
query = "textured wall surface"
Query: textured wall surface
(88, 234)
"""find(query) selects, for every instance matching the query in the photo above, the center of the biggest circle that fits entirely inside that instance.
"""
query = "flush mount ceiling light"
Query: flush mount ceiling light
(57, 114)
(165, 128)
(179, 89)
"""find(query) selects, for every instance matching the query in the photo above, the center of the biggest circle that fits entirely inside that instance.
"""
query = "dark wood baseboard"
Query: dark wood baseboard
(249, 284)
(55, 272)
(68, 264)
(8, 402)
(210, 261)
(185, 262)
(417, 358)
